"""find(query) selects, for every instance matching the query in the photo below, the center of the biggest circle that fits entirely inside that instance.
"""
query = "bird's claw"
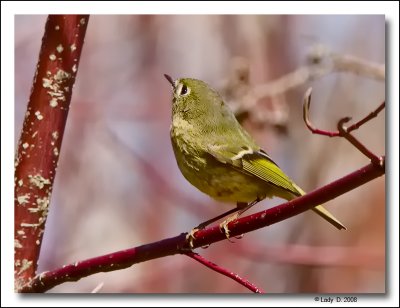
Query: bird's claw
(224, 226)
(190, 236)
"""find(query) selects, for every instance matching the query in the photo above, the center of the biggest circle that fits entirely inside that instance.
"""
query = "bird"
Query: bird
(220, 158)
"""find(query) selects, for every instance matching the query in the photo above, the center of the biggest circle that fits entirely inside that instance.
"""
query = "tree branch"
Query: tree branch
(342, 130)
(314, 130)
(42, 133)
(179, 245)
(218, 269)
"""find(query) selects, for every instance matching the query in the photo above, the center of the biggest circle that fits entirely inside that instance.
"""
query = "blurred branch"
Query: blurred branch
(42, 133)
(243, 97)
(342, 130)
(179, 244)
(218, 269)
(322, 63)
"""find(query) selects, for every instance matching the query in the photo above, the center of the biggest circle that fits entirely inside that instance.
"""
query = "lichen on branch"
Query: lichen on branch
(39, 145)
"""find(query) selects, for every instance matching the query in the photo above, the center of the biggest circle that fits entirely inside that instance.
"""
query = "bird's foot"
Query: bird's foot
(224, 225)
(190, 236)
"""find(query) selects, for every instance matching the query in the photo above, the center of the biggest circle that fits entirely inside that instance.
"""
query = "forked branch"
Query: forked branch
(179, 245)
(343, 131)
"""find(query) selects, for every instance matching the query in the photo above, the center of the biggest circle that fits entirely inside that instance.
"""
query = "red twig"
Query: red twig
(342, 130)
(354, 141)
(179, 244)
(314, 130)
(40, 142)
(218, 269)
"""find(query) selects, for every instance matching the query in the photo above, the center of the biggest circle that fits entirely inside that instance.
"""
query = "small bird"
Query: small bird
(217, 156)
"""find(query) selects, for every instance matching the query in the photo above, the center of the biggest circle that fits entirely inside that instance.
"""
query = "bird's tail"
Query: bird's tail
(324, 213)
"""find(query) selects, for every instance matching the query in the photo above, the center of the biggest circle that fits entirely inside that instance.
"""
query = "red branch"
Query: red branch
(217, 268)
(314, 130)
(125, 258)
(42, 133)
(342, 130)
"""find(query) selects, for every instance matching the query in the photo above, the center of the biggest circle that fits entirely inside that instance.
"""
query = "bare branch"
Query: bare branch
(322, 62)
(244, 282)
(314, 130)
(40, 141)
(357, 144)
(179, 245)
(342, 130)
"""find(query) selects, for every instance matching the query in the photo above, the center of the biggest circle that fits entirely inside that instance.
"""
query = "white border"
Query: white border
(8, 10)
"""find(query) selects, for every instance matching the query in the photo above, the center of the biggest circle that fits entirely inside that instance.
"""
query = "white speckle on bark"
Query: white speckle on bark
(38, 181)
(53, 102)
(60, 48)
(25, 145)
(23, 199)
(17, 244)
(74, 69)
(73, 47)
(55, 84)
(25, 265)
(43, 203)
(57, 28)
(52, 57)
(61, 75)
(46, 82)
(38, 115)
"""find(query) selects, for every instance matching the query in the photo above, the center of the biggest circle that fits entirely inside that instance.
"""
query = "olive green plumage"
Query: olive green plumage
(216, 155)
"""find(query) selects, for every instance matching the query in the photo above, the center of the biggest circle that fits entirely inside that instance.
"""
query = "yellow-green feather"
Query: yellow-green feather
(218, 156)
(264, 168)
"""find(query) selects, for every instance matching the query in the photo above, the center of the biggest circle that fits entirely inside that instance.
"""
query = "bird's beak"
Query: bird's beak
(170, 80)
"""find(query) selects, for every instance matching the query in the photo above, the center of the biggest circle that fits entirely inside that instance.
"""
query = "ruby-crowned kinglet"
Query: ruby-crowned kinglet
(216, 155)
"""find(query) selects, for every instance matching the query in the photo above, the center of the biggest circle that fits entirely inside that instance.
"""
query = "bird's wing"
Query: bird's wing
(256, 163)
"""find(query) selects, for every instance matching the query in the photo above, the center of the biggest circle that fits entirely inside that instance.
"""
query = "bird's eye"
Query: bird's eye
(182, 89)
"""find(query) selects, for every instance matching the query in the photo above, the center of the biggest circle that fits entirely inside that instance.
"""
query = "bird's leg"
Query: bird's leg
(242, 207)
(190, 236)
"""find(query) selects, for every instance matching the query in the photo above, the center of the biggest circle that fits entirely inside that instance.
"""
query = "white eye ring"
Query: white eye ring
(182, 90)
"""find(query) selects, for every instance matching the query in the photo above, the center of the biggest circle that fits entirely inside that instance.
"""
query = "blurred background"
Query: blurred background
(118, 185)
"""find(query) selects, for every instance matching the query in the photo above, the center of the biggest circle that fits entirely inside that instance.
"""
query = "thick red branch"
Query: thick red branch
(179, 244)
(244, 282)
(40, 141)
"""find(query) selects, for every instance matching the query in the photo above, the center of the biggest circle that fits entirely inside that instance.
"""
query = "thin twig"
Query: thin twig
(314, 130)
(244, 282)
(306, 117)
(179, 245)
(356, 143)
(342, 130)
(372, 115)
